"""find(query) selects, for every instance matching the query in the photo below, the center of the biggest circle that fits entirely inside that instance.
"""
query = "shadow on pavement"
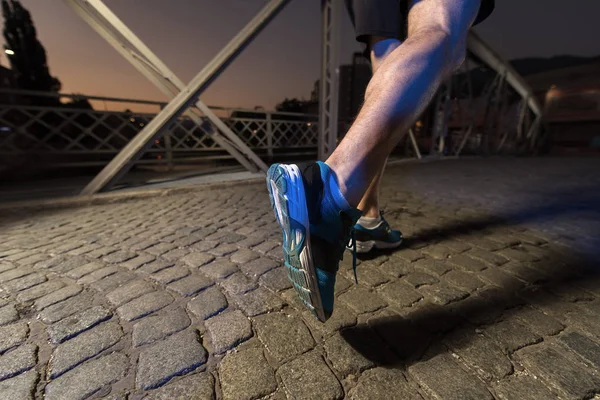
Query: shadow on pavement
(422, 331)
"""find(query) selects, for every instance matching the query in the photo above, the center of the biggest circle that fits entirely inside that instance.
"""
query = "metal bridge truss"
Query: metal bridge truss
(504, 118)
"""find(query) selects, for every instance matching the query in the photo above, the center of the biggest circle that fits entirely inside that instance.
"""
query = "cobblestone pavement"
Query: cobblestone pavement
(184, 297)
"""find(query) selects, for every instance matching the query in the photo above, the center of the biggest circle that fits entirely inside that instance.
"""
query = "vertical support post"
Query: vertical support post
(328, 87)
(270, 136)
(169, 150)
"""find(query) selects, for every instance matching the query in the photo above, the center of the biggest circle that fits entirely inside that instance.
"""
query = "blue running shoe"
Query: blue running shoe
(379, 237)
(317, 222)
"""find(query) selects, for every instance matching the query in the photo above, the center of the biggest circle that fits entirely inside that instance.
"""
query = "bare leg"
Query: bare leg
(401, 88)
(380, 47)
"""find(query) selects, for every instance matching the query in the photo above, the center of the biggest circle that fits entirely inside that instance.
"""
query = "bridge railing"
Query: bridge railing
(63, 130)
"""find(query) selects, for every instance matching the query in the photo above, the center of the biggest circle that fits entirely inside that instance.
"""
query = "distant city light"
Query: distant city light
(9, 52)
(308, 124)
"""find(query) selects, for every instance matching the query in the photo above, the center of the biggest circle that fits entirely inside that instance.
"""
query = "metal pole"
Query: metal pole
(270, 136)
(123, 161)
(329, 93)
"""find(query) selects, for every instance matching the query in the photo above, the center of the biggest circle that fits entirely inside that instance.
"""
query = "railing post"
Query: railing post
(270, 136)
(169, 150)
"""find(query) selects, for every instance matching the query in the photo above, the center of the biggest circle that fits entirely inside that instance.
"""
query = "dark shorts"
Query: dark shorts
(387, 18)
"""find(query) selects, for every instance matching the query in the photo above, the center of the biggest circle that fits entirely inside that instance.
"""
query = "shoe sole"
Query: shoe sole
(367, 246)
(286, 192)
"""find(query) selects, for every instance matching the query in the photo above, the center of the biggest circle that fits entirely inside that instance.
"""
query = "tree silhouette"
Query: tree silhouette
(26, 54)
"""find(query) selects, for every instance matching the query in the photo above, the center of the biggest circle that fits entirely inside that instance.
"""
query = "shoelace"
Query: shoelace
(353, 233)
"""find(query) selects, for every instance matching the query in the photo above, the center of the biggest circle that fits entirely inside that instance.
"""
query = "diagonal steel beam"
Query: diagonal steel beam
(144, 60)
(165, 81)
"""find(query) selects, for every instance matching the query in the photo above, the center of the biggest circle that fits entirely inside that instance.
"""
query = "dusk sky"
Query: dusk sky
(284, 61)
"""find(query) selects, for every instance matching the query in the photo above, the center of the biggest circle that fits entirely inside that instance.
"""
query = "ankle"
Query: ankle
(370, 212)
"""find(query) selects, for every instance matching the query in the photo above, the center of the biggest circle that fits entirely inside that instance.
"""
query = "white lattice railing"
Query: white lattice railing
(61, 135)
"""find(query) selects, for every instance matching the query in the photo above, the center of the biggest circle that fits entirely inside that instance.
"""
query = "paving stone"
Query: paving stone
(98, 274)
(486, 244)
(61, 310)
(88, 378)
(250, 242)
(257, 301)
(463, 280)
(584, 347)
(144, 305)
(219, 269)
(420, 278)
(102, 252)
(223, 250)
(400, 294)
(276, 280)
(244, 256)
(155, 266)
(463, 261)
(207, 303)
(443, 293)
(190, 285)
(539, 322)
(362, 300)
(258, 266)
(246, 375)
(341, 283)
(275, 331)
(25, 282)
(488, 257)
(368, 275)
(309, 377)
(85, 269)
(14, 274)
(237, 284)
(13, 335)
(569, 293)
(158, 327)
(408, 340)
(524, 273)
(77, 323)
(204, 245)
(571, 380)
(65, 264)
(499, 278)
(435, 267)
(160, 248)
(383, 384)
(8, 314)
(192, 387)
(522, 387)
(228, 330)
(437, 251)
(18, 360)
(197, 260)
(456, 246)
(171, 274)
(517, 255)
(6, 266)
(344, 358)
(407, 255)
(112, 282)
(20, 387)
(442, 378)
(119, 257)
(128, 292)
(512, 335)
(176, 254)
(480, 354)
(266, 246)
(83, 347)
(138, 261)
(38, 291)
(342, 317)
(86, 249)
(176, 355)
